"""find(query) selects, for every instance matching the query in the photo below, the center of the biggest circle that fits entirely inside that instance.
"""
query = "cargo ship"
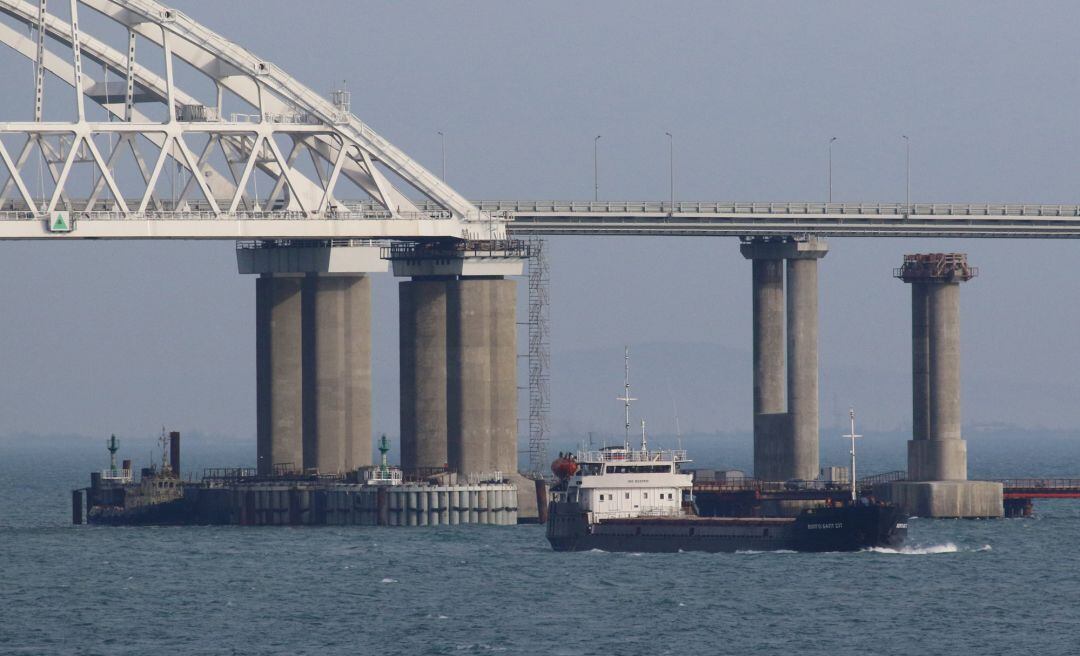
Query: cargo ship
(637, 499)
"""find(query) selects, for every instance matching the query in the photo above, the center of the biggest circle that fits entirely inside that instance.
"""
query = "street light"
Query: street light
(671, 167)
(830, 167)
(907, 171)
(442, 143)
(595, 169)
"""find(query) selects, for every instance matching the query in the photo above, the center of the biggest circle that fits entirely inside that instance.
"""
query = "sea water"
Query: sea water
(1007, 586)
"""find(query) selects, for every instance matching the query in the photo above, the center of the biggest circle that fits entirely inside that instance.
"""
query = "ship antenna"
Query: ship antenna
(852, 436)
(626, 398)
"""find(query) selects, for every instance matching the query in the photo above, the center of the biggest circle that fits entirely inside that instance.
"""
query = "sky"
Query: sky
(127, 336)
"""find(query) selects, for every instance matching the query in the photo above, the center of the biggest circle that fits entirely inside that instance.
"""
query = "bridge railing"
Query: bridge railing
(1041, 483)
(897, 210)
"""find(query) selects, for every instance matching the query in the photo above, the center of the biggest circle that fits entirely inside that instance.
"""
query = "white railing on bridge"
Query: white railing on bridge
(523, 209)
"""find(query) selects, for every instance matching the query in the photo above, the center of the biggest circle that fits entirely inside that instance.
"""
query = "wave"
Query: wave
(920, 550)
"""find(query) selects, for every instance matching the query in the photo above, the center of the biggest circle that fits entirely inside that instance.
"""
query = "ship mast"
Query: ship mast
(626, 398)
(852, 436)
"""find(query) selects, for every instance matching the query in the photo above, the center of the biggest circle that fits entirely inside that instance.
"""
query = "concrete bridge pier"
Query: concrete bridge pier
(459, 359)
(458, 355)
(785, 356)
(937, 484)
(313, 354)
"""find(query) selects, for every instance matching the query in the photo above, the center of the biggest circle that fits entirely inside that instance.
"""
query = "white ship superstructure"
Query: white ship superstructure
(618, 481)
(621, 482)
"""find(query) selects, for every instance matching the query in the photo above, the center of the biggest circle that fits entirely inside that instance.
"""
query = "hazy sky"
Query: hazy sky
(101, 337)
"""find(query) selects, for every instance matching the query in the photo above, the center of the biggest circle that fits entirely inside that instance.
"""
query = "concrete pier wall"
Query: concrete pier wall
(284, 504)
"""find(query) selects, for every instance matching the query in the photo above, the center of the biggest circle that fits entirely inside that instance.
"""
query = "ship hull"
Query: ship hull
(167, 513)
(850, 528)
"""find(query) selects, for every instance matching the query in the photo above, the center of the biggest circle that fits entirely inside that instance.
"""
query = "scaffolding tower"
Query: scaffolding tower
(539, 358)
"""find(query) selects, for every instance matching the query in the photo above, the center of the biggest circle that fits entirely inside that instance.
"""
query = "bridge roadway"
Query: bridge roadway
(524, 218)
(782, 219)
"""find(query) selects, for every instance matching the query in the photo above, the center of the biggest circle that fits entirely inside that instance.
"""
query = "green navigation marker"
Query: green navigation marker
(60, 223)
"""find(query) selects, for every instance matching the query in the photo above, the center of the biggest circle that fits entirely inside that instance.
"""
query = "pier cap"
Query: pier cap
(936, 268)
(783, 248)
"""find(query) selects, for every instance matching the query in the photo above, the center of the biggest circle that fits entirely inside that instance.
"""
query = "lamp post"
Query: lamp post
(671, 168)
(907, 172)
(442, 145)
(830, 167)
(595, 169)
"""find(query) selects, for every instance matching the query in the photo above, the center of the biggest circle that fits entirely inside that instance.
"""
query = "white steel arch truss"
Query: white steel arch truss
(286, 113)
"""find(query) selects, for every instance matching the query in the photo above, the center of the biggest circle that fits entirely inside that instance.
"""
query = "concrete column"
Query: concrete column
(920, 361)
(771, 429)
(942, 454)
(422, 314)
(944, 306)
(337, 372)
(937, 484)
(802, 367)
(785, 431)
(771, 425)
(278, 371)
(481, 375)
(768, 327)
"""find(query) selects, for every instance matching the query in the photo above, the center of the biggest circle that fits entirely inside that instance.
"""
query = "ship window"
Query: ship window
(645, 494)
(601, 497)
(627, 495)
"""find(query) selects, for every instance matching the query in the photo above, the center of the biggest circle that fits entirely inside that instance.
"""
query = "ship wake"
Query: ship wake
(920, 550)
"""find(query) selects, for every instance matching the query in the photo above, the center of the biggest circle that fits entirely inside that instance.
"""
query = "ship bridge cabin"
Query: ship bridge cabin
(622, 482)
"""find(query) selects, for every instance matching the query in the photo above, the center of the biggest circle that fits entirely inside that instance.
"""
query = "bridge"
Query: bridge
(351, 219)
(318, 202)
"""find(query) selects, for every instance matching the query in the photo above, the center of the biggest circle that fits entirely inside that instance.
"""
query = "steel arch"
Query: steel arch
(332, 136)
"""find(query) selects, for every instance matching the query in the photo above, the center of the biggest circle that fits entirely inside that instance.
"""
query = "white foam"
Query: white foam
(916, 550)
(388, 580)
(748, 552)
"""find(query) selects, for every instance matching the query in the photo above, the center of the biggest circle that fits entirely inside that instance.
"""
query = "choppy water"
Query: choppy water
(962, 587)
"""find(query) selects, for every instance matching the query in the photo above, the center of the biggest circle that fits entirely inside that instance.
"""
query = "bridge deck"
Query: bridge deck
(365, 220)
(983, 220)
